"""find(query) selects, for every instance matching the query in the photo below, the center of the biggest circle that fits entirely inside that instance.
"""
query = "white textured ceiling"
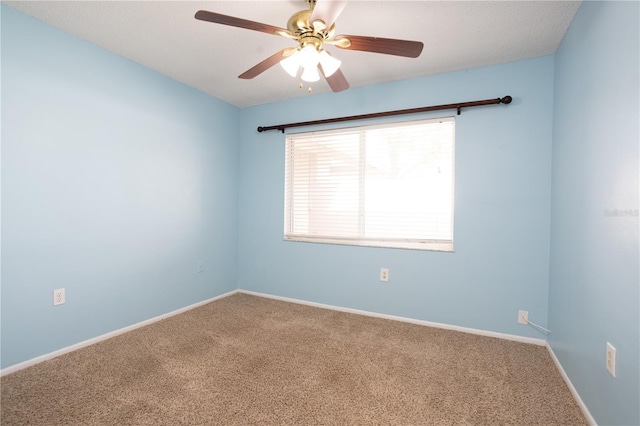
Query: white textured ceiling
(164, 36)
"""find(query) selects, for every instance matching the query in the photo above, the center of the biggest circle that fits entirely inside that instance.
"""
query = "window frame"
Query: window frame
(441, 245)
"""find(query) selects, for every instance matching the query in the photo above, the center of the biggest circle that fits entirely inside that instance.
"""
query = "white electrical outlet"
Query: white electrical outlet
(523, 317)
(58, 296)
(384, 275)
(611, 359)
(200, 266)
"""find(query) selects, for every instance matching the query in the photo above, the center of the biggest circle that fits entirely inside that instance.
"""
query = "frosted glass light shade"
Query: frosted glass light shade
(310, 74)
(309, 56)
(329, 63)
(291, 64)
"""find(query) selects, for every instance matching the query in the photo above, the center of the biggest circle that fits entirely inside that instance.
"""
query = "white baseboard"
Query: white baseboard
(572, 389)
(54, 354)
(513, 337)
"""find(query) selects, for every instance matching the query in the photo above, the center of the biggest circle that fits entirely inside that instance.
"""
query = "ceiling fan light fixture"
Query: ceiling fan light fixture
(308, 58)
(329, 64)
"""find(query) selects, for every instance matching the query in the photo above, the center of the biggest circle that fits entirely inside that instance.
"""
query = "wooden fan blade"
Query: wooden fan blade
(337, 80)
(217, 18)
(327, 11)
(264, 65)
(388, 46)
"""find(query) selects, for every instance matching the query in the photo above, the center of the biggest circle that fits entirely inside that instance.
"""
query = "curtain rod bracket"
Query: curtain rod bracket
(282, 127)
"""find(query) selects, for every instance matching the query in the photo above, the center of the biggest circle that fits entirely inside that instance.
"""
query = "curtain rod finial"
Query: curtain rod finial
(506, 100)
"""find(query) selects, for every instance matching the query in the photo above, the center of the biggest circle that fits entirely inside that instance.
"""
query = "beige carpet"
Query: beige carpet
(250, 360)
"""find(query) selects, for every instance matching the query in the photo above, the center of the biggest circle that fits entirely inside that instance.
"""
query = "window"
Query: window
(385, 185)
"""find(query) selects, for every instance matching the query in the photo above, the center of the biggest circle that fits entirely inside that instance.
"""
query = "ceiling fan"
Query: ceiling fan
(311, 29)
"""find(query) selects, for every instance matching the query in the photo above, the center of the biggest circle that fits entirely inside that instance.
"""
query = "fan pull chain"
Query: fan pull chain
(308, 90)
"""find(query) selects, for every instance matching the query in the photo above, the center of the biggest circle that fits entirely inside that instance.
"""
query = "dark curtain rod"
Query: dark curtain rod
(458, 106)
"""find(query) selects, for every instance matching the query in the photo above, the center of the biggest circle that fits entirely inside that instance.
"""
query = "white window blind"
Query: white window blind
(385, 185)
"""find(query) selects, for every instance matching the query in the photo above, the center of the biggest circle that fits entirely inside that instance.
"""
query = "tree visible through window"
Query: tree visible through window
(385, 185)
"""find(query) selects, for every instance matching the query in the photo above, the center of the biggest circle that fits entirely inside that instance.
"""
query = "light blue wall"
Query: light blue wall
(502, 203)
(115, 182)
(594, 270)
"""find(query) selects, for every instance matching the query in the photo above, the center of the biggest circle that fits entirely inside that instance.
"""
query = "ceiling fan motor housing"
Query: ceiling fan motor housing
(309, 33)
